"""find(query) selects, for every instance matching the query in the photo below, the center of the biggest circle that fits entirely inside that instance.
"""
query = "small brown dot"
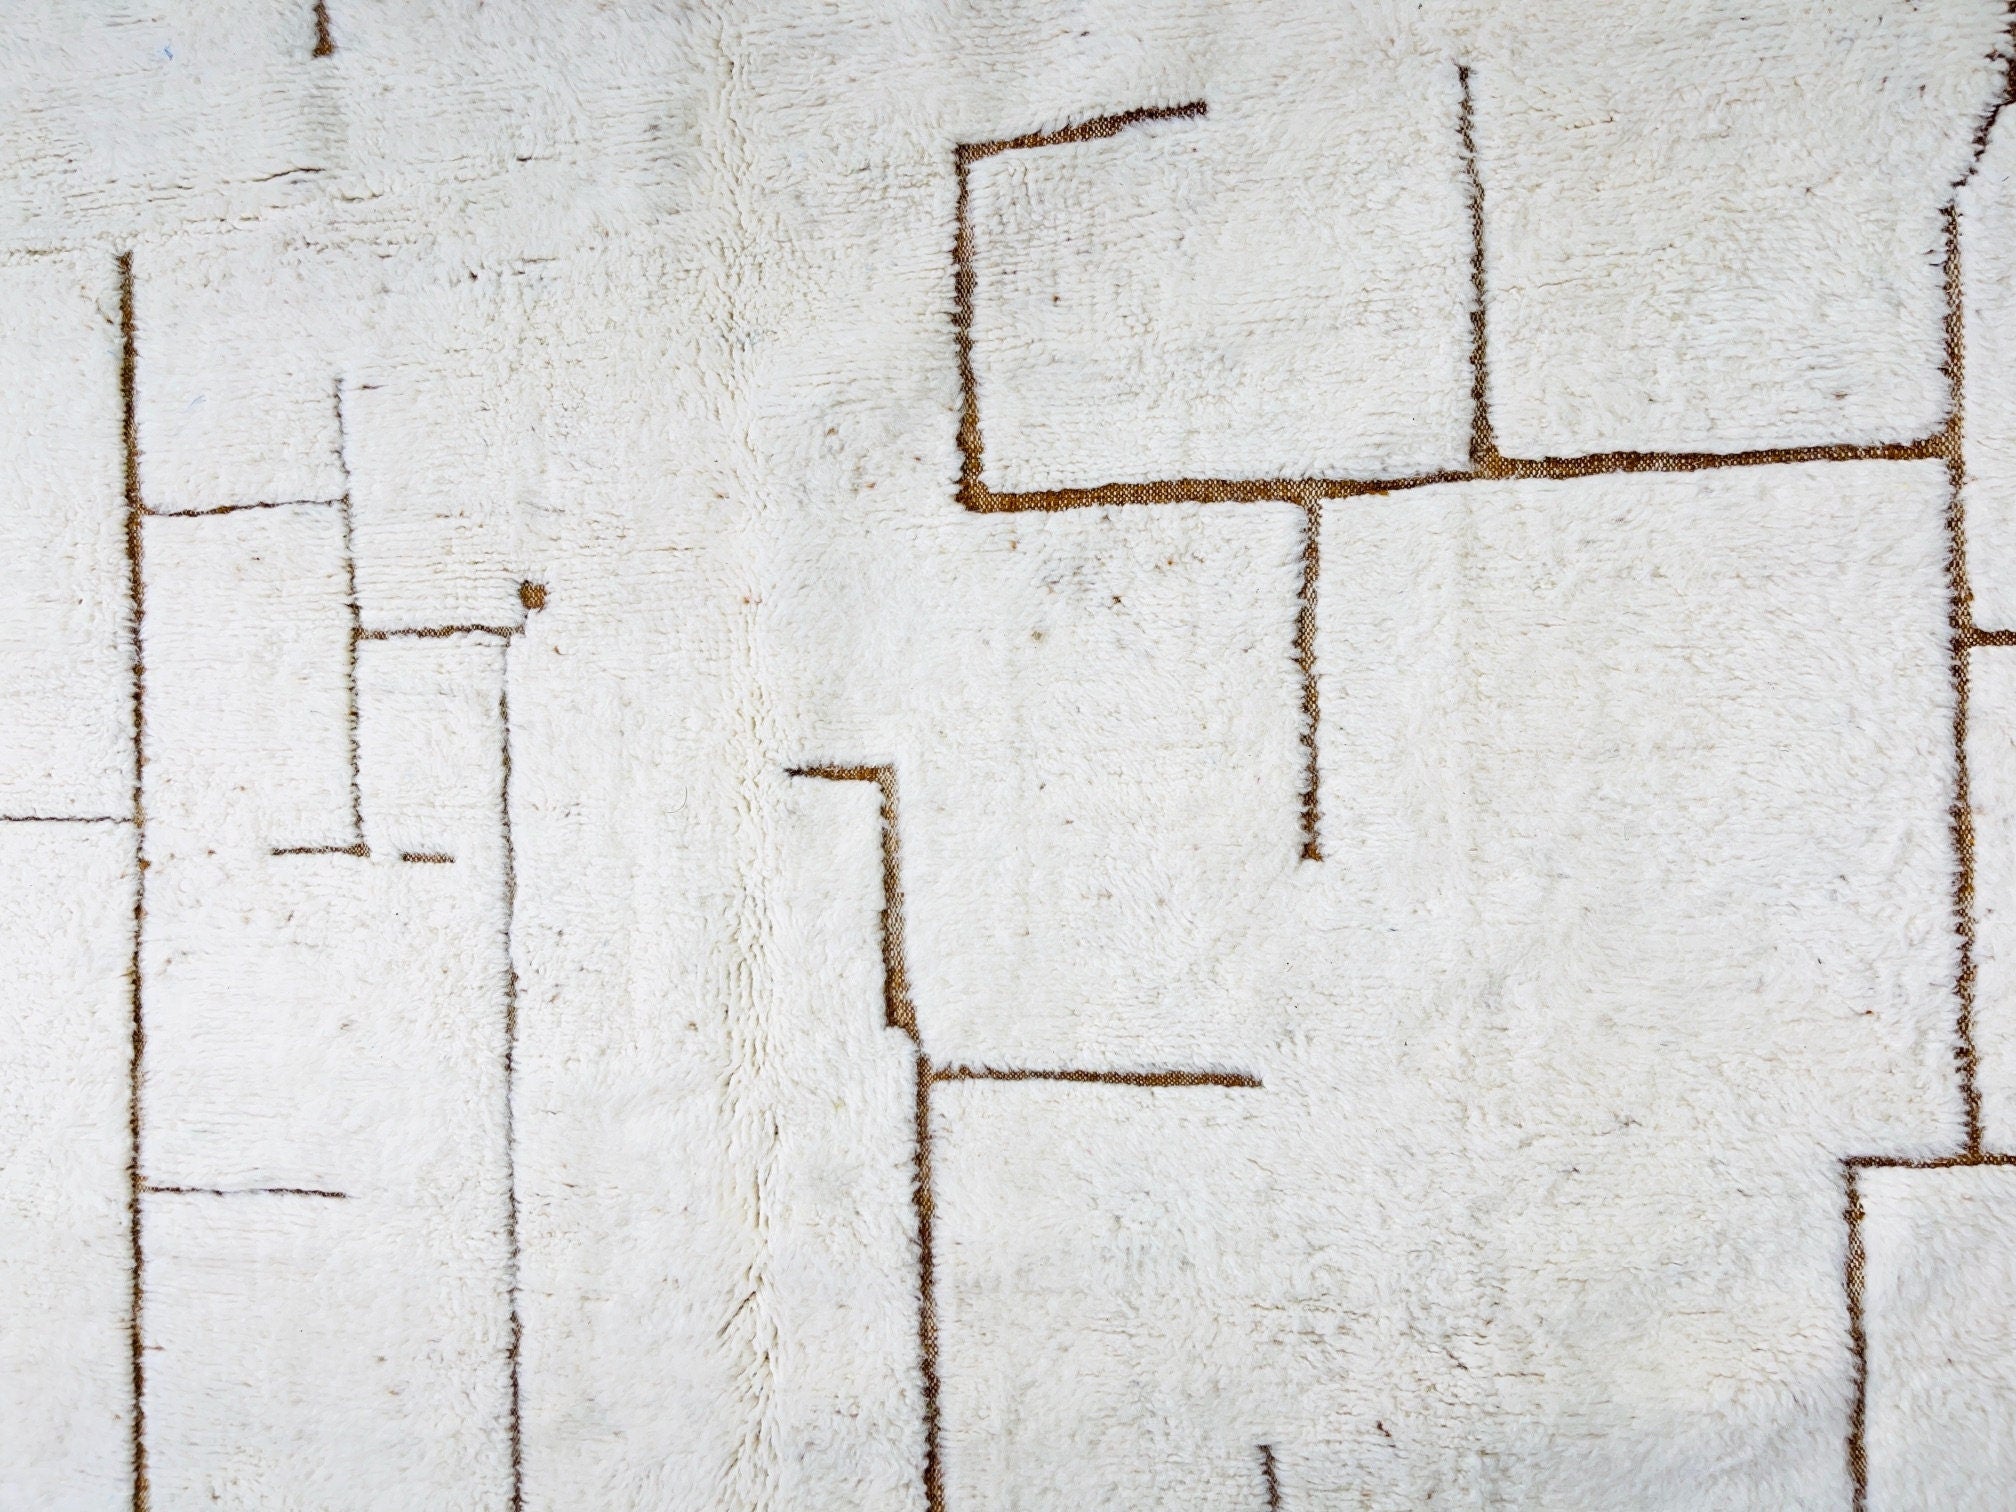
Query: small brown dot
(532, 595)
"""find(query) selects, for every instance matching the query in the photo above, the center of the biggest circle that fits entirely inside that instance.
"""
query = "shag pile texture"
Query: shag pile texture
(1061, 754)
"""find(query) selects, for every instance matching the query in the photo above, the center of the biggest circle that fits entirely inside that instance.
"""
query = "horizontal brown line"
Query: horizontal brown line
(1096, 129)
(65, 819)
(429, 858)
(840, 773)
(186, 1191)
(437, 632)
(1979, 637)
(1109, 1078)
(983, 500)
(1924, 449)
(1935, 1163)
(321, 850)
(225, 509)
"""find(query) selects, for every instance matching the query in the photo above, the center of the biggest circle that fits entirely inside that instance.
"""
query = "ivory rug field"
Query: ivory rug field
(939, 755)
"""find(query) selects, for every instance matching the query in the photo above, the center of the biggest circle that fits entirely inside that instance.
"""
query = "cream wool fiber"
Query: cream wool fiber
(929, 756)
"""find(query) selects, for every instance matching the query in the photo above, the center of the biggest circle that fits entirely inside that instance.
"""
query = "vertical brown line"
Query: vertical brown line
(135, 613)
(900, 1013)
(1305, 660)
(897, 1008)
(972, 491)
(356, 627)
(1949, 445)
(1858, 1344)
(516, 1419)
(1485, 462)
(927, 1289)
(325, 43)
(1270, 1477)
(1960, 625)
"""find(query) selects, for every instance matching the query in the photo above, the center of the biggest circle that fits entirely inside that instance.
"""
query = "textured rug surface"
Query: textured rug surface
(1053, 754)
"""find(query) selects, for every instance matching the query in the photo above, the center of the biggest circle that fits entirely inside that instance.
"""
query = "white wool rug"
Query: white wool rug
(929, 756)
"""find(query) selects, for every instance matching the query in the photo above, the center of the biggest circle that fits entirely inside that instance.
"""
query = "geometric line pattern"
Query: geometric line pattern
(900, 1013)
(1488, 463)
(533, 597)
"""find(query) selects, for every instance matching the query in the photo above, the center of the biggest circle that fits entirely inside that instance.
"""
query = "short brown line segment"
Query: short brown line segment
(971, 491)
(274, 1191)
(321, 850)
(1965, 1161)
(1096, 129)
(1483, 439)
(438, 632)
(231, 509)
(136, 609)
(356, 624)
(1858, 1345)
(65, 819)
(325, 43)
(1305, 665)
(427, 858)
(1107, 1078)
(1270, 1477)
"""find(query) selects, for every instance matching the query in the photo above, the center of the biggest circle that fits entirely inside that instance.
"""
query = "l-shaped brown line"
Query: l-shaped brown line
(899, 1012)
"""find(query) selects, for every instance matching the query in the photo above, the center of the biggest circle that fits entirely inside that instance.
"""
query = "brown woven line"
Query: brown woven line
(1487, 463)
(1964, 637)
(899, 1013)
(533, 597)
